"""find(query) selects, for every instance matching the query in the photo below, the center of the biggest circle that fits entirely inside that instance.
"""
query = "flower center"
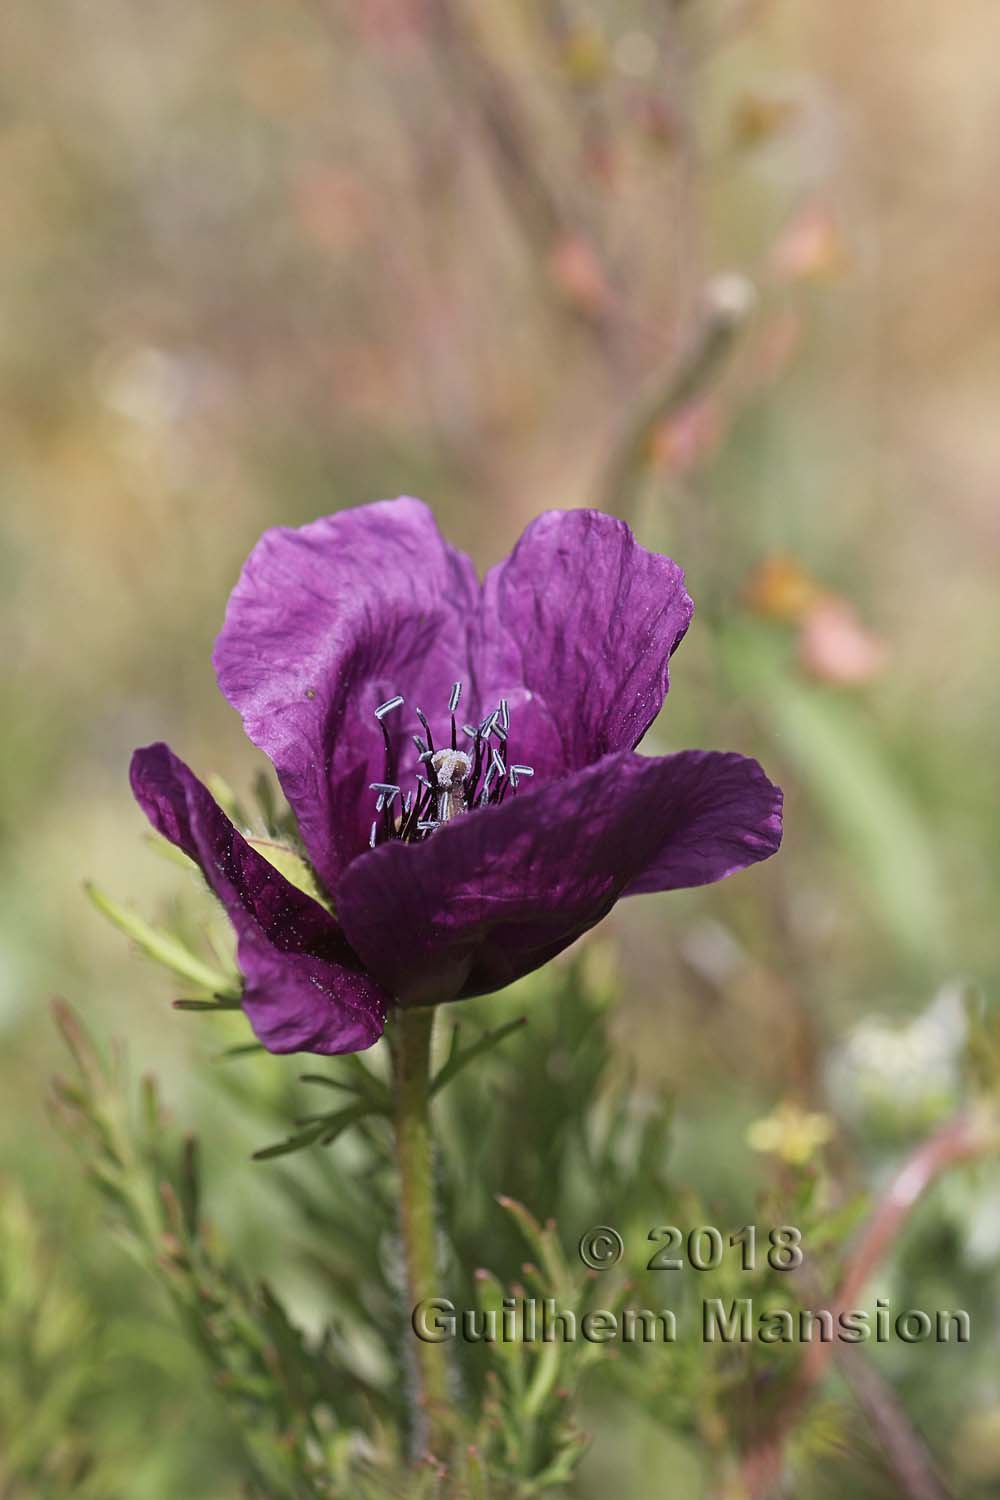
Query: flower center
(455, 781)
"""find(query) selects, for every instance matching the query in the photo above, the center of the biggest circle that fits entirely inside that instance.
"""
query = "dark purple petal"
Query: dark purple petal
(585, 620)
(324, 624)
(496, 893)
(726, 815)
(305, 990)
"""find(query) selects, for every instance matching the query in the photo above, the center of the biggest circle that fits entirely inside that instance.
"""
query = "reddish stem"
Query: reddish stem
(960, 1139)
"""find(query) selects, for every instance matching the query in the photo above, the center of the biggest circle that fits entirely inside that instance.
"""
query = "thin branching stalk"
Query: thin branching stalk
(669, 390)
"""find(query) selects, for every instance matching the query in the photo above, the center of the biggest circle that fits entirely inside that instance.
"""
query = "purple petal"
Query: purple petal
(305, 990)
(585, 620)
(496, 893)
(326, 623)
(726, 815)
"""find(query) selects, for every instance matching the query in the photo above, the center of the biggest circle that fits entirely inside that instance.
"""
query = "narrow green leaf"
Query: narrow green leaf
(168, 851)
(460, 1058)
(162, 947)
(189, 1183)
(543, 1242)
(149, 1098)
(293, 1143)
(327, 1082)
(347, 1118)
(363, 1085)
(221, 1002)
(326, 1129)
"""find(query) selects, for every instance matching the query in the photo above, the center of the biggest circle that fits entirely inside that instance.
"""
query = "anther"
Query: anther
(426, 727)
(388, 705)
(456, 693)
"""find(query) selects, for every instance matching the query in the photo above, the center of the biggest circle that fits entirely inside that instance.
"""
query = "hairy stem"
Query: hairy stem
(411, 1064)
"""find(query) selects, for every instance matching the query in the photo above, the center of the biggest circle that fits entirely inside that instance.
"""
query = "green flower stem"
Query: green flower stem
(411, 1066)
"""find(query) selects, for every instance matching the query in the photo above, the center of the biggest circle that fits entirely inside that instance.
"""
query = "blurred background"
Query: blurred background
(730, 270)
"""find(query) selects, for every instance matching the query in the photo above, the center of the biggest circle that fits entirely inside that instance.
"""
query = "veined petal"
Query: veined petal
(327, 622)
(720, 813)
(585, 620)
(305, 988)
(494, 894)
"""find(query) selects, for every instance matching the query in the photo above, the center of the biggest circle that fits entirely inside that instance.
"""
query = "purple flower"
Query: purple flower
(460, 758)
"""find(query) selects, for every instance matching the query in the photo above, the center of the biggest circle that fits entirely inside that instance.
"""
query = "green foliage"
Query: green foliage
(328, 1415)
(169, 949)
(46, 1389)
(291, 1404)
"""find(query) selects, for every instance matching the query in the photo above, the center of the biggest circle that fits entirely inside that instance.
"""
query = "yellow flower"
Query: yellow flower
(791, 1133)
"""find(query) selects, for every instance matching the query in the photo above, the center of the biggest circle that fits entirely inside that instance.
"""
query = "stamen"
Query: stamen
(390, 759)
(388, 705)
(449, 782)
